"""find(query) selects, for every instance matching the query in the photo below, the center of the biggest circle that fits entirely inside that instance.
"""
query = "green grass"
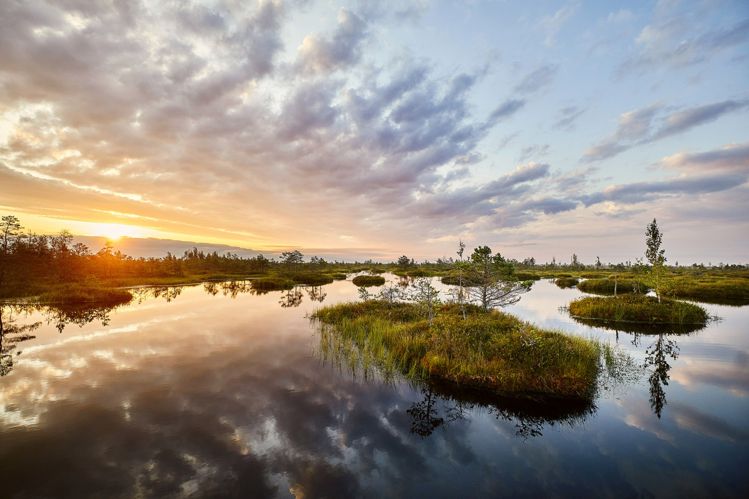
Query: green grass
(368, 280)
(488, 351)
(74, 294)
(638, 309)
(309, 278)
(566, 282)
(606, 286)
(724, 291)
(272, 283)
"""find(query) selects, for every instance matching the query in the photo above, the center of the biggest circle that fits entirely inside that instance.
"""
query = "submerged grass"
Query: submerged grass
(491, 351)
(368, 280)
(638, 309)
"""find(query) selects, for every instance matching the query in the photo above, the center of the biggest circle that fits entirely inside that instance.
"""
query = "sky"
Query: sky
(371, 129)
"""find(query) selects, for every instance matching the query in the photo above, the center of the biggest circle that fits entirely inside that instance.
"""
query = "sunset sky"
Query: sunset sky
(375, 128)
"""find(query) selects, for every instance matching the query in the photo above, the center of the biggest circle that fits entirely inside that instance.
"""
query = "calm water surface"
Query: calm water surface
(210, 391)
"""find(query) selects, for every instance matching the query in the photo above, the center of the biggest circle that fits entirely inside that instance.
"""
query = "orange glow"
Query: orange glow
(113, 232)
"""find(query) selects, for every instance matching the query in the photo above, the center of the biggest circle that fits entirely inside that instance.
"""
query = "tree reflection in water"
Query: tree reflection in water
(656, 357)
(11, 335)
(291, 298)
(316, 293)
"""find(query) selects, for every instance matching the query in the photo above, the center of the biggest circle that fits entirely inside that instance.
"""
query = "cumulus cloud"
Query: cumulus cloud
(342, 49)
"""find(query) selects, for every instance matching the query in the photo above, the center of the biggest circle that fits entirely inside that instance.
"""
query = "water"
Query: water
(195, 393)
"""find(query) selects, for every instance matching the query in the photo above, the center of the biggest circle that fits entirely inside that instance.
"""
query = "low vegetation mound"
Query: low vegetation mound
(566, 282)
(74, 294)
(272, 284)
(610, 286)
(721, 291)
(641, 309)
(369, 280)
(490, 351)
(310, 278)
(527, 276)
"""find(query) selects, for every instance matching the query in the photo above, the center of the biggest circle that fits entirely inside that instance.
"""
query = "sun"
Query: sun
(114, 232)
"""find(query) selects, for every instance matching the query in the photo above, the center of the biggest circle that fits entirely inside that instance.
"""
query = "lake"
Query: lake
(213, 391)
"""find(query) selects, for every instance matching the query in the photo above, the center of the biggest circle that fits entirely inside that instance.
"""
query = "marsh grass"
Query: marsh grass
(607, 286)
(272, 284)
(638, 309)
(73, 294)
(368, 280)
(566, 282)
(489, 351)
(725, 291)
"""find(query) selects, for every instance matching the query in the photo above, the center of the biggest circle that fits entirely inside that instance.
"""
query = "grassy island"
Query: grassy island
(638, 310)
(490, 351)
(566, 282)
(611, 286)
(368, 280)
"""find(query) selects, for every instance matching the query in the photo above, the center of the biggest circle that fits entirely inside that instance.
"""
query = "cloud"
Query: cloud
(653, 123)
(506, 109)
(567, 117)
(342, 49)
(733, 157)
(553, 24)
(537, 79)
(675, 43)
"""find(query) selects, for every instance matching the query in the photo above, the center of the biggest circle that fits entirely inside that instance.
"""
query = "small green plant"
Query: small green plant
(368, 280)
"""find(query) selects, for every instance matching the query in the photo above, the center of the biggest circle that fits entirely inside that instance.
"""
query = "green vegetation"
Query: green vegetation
(566, 282)
(272, 284)
(488, 350)
(310, 279)
(725, 291)
(612, 286)
(638, 309)
(368, 280)
(73, 294)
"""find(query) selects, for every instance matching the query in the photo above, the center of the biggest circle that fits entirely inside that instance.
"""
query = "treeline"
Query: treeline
(28, 258)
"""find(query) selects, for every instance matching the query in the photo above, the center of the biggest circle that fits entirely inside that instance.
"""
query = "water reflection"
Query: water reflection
(444, 403)
(207, 397)
(11, 334)
(656, 358)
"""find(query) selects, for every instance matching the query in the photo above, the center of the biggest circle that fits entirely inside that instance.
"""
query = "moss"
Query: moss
(339, 276)
(566, 282)
(638, 309)
(488, 351)
(368, 280)
(606, 286)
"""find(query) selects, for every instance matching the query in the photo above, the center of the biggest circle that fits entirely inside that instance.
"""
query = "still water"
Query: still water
(212, 391)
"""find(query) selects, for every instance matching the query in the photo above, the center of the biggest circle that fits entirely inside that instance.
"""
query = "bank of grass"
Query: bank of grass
(566, 282)
(368, 280)
(490, 351)
(75, 294)
(607, 286)
(272, 283)
(640, 309)
(725, 291)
